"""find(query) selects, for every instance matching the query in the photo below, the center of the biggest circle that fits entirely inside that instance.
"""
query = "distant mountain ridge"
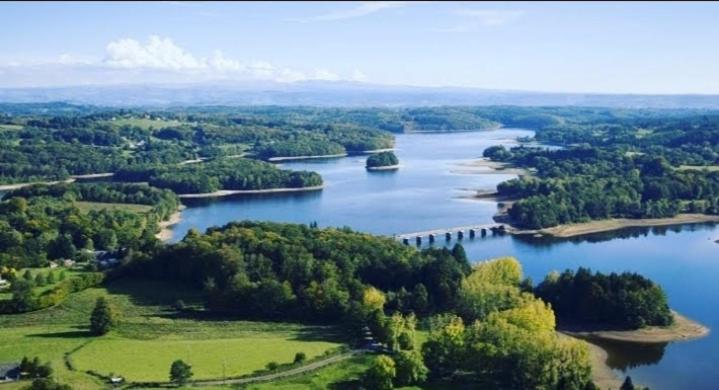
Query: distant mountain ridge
(338, 94)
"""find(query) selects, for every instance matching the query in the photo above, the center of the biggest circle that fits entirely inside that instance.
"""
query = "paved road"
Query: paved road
(284, 374)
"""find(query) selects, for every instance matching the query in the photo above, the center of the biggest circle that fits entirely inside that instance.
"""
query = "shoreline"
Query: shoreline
(221, 193)
(602, 375)
(606, 225)
(165, 233)
(683, 329)
(486, 166)
(384, 168)
(375, 151)
(290, 158)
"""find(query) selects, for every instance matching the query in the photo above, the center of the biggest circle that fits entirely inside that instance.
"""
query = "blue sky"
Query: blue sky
(568, 47)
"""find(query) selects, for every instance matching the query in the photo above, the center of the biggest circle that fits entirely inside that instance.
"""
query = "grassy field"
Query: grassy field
(10, 127)
(86, 207)
(150, 335)
(711, 168)
(146, 123)
(6, 294)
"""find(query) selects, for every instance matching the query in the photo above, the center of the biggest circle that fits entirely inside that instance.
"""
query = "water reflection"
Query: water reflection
(625, 233)
(624, 355)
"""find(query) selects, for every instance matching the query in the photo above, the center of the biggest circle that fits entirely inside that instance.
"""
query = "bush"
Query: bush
(300, 358)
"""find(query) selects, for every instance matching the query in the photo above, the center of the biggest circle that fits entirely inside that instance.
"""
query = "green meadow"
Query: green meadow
(145, 123)
(86, 207)
(150, 335)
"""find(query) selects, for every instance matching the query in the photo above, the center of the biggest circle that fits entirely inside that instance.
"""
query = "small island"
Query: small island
(383, 161)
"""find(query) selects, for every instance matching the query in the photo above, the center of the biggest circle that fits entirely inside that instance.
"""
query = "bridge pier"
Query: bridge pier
(431, 238)
(484, 232)
(418, 240)
(405, 241)
(472, 233)
(460, 235)
(448, 236)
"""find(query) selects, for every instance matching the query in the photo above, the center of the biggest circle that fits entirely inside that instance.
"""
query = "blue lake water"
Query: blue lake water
(429, 191)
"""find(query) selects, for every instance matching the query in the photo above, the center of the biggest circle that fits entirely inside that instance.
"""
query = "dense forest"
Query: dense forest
(223, 174)
(282, 271)
(643, 167)
(382, 159)
(626, 300)
(54, 142)
(42, 223)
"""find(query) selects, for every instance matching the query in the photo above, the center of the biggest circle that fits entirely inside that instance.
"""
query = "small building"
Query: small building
(117, 380)
(9, 372)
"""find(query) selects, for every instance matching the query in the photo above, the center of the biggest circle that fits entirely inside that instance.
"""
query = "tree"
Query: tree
(40, 279)
(27, 275)
(23, 298)
(373, 299)
(300, 357)
(102, 318)
(50, 278)
(627, 385)
(380, 374)
(410, 368)
(47, 384)
(180, 372)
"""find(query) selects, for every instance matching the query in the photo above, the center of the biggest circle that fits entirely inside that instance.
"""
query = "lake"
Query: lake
(429, 191)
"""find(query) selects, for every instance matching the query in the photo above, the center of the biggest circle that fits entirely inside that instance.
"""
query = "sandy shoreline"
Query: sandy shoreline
(374, 151)
(274, 159)
(384, 168)
(165, 233)
(683, 329)
(486, 166)
(602, 375)
(605, 225)
(221, 193)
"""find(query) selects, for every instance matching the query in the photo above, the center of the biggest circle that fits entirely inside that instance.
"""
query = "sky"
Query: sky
(622, 47)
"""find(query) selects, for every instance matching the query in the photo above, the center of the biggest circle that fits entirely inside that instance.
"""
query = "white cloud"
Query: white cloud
(324, 74)
(476, 18)
(358, 75)
(157, 53)
(161, 58)
(362, 9)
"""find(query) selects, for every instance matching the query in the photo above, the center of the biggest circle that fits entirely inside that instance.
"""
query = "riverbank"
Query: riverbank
(275, 159)
(605, 225)
(683, 329)
(384, 168)
(221, 193)
(487, 166)
(602, 375)
(165, 233)
(375, 151)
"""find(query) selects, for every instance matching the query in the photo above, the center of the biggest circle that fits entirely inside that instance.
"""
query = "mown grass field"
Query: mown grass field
(711, 168)
(150, 335)
(10, 127)
(86, 207)
(145, 123)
